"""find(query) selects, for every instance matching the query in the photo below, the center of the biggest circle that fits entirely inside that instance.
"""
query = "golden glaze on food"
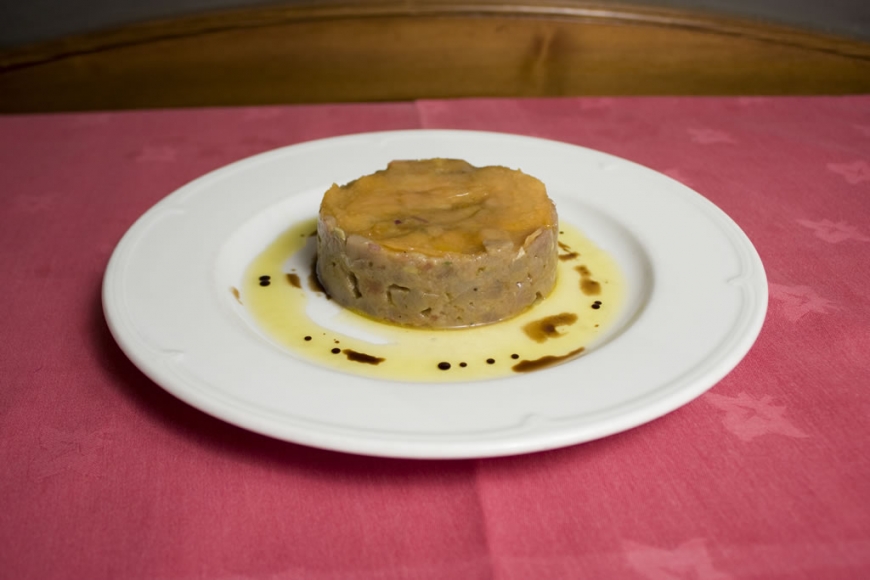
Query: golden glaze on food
(438, 243)
(441, 206)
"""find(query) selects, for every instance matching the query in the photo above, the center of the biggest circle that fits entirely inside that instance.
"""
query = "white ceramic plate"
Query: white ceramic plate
(696, 300)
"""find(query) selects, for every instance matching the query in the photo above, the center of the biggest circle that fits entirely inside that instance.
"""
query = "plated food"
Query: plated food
(438, 243)
(434, 270)
(198, 319)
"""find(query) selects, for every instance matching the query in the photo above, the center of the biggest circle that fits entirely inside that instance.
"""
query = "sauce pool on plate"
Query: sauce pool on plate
(281, 294)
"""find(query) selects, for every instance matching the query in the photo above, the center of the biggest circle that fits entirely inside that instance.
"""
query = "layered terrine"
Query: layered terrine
(438, 243)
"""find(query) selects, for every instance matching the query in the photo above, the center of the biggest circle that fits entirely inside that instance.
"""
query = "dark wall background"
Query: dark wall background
(27, 21)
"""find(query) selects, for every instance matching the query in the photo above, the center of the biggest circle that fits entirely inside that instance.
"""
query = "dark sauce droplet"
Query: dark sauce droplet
(362, 357)
(490, 361)
(335, 351)
(463, 365)
(569, 253)
(265, 277)
(548, 327)
(444, 366)
(293, 279)
(526, 366)
(515, 356)
(307, 338)
(265, 280)
(588, 286)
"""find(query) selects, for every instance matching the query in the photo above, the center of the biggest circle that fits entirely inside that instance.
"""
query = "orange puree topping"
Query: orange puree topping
(441, 206)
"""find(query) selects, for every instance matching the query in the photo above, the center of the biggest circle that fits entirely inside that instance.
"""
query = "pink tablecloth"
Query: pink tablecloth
(767, 476)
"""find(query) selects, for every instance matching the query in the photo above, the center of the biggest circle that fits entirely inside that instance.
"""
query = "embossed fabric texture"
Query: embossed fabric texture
(766, 476)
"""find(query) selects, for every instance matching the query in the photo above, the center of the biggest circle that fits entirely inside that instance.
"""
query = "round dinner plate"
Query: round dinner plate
(695, 300)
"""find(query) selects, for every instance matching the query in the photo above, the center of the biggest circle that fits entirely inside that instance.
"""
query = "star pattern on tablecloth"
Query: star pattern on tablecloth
(854, 173)
(592, 104)
(67, 451)
(748, 417)
(834, 232)
(92, 119)
(156, 153)
(34, 203)
(798, 301)
(262, 113)
(689, 560)
(679, 175)
(710, 136)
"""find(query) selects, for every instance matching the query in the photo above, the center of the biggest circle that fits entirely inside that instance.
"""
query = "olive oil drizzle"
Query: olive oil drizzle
(557, 329)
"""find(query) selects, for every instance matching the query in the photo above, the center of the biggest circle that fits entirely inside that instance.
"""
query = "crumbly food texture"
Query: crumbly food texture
(438, 243)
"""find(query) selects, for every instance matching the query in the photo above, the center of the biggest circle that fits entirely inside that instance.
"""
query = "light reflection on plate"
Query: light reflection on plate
(695, 300)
